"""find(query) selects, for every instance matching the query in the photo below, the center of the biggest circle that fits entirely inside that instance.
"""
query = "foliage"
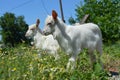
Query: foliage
(105, 13)
(23, 63)
(13, 29)
(71, 20)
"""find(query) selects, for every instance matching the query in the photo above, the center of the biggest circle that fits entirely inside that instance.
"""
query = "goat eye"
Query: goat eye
(49, 23)
(32, 29)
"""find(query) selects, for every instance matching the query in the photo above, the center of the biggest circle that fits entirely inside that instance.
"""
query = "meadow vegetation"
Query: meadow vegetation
(23, 63)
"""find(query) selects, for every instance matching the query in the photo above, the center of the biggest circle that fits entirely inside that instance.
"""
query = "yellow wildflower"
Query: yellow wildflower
(14, 69)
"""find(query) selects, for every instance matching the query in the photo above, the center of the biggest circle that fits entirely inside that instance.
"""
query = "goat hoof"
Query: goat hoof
(71, 65)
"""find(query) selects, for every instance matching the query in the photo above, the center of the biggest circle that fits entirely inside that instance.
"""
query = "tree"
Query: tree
(71, 20)
(13, 29)
(105, 13)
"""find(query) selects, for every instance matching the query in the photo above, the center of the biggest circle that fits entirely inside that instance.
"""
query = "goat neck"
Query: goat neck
(38, 38)
(62, 37)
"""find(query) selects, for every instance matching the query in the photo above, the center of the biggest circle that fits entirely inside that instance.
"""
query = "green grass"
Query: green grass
(23, 63)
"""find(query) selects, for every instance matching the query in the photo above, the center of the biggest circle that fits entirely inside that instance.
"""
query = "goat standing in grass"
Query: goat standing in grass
(42, 42)
(73, 39)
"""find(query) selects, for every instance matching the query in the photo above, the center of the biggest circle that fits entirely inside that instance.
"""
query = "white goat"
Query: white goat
(42, 42)
(73, 39)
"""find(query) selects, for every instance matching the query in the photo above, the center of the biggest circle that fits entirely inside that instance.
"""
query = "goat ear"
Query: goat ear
(54, 14)
(37, 22)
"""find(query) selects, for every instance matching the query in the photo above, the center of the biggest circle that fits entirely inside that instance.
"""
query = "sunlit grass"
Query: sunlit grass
(23, 63)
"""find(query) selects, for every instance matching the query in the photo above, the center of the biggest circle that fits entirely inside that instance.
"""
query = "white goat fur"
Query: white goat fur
(47, 43)
(73, 39)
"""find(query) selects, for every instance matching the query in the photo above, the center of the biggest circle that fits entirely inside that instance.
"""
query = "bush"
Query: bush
(104, 13)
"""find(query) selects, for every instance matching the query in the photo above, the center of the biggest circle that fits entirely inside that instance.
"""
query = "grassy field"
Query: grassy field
(23, 63)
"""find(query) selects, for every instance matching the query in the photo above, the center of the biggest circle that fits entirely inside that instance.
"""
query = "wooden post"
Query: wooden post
(61, 10)
(84, 19)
